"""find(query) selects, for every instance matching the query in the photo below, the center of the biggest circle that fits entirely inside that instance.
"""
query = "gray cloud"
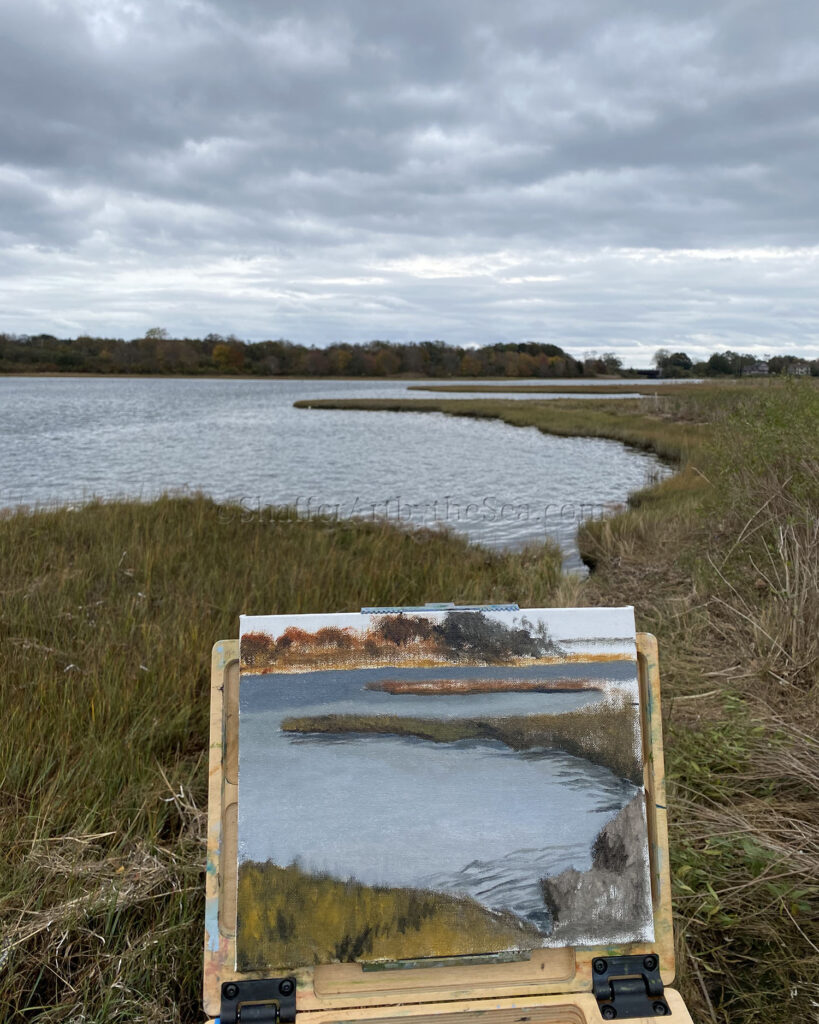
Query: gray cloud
(473, 171)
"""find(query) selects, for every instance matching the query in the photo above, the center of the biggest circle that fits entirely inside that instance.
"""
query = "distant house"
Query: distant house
(758, 369)
(798, 369)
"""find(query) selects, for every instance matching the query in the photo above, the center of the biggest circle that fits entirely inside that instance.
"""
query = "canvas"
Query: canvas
(437, 784)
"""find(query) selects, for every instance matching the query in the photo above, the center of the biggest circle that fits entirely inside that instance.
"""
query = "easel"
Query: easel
(555, 986)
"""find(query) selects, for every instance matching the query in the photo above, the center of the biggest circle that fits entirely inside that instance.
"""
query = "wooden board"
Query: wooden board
(558, 981)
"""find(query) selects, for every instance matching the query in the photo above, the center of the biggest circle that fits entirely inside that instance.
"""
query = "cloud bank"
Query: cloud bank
(607, 177)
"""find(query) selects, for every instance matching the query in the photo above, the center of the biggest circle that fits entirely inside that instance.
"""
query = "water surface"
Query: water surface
(70, 439)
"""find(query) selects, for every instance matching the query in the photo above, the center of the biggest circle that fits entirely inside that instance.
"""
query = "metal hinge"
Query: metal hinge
(267, 1001)
(629, 986)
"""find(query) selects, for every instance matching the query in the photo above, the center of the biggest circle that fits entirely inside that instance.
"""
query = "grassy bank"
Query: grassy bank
(618, 419)
(637, 387)
(108, 616)
(433, 687)
(346, 921)
(722, 563)
(602, 734)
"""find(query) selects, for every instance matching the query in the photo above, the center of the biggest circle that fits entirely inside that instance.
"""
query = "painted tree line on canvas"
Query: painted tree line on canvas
(440, 783)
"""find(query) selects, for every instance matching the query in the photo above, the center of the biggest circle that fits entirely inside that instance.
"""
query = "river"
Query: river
(71, 439)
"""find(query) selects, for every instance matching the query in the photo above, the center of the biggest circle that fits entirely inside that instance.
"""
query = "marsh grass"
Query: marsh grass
(636, 387)
(602, 733)
(765, 558)
(626, 420)
(289, 918)
(722, 564)
(109, 612)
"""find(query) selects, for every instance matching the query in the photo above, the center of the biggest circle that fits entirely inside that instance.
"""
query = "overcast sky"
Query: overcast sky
(610, 176)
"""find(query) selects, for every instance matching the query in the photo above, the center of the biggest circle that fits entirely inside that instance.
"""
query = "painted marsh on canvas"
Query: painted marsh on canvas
(409, 781)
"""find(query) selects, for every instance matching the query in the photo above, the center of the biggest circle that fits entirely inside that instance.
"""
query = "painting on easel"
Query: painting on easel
(439, 783)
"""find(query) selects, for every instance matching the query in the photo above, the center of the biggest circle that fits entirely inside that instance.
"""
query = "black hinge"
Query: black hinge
(629, 986)
(268, 1001)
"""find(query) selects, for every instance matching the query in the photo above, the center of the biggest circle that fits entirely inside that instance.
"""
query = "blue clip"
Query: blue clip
(439, 606)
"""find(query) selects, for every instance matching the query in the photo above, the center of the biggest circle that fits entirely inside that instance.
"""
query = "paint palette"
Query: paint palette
(404, 801)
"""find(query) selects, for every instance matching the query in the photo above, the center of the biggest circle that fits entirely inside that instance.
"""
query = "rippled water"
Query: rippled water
(72, 439)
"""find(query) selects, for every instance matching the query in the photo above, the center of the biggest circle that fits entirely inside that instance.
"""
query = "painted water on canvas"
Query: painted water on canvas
(434, 784)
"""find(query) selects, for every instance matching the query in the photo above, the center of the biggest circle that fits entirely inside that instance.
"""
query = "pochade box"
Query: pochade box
(437, 811)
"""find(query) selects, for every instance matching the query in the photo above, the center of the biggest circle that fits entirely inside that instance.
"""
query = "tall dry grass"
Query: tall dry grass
(108, 616)
(290, 917)
(722, 564)
(765, 547)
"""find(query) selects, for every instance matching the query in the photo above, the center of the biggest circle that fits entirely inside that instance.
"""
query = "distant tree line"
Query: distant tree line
(158, 353)
(731, 364)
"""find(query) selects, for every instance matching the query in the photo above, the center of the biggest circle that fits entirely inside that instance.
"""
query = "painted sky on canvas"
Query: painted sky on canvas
(608, 177)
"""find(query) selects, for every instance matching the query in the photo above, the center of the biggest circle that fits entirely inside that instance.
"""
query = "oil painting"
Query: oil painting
(439, 783)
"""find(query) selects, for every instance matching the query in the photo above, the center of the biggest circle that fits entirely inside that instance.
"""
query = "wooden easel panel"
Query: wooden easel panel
(572, 1008)
(323, 991)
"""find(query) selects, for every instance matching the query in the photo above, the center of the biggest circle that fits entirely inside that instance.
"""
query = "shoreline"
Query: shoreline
(670, 442)
(571, 732)
(329, 661)
(29, 375)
